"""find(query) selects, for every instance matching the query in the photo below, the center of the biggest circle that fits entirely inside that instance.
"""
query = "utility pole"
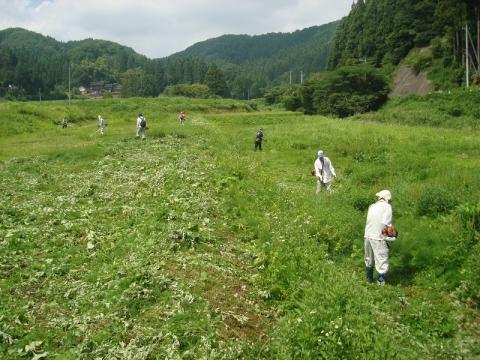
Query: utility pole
(290, 78)
(40, 94)
(301, 76)
(467, 64)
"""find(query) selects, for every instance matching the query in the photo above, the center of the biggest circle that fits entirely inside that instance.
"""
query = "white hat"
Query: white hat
(384, 194)
(320, 153)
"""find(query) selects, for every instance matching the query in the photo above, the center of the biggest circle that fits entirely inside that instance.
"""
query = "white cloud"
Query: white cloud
(159, 28)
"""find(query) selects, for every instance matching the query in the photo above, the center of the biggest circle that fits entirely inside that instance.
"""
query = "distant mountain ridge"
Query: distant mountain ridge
(35, 63)
(237, 49)
(19, 38)
(32, 63)
(254, 62)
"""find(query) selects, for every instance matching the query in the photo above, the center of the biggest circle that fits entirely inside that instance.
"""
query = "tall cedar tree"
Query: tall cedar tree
(215, 80)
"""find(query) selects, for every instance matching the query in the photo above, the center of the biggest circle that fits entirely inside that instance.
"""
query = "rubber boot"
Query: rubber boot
(369, 272)
(382, 279)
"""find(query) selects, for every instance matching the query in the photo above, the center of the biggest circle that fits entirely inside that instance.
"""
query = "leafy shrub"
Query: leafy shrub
(437, 46)
(253, 105)
(289, 95)
(435, 201)
(455, 111)
(188, 90)
(345, 91)
(419, 61)
(274, 95)
(292, 102)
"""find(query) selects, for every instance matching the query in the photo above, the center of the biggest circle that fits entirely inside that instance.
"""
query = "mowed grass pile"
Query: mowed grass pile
(191, 245)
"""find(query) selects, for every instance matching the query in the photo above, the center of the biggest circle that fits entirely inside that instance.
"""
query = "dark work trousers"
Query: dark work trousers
(258, 144)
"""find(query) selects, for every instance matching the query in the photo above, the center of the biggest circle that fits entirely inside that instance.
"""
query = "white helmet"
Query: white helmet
(384, 194)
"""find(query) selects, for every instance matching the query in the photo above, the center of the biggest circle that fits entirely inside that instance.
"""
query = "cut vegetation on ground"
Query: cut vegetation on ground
(191, 245)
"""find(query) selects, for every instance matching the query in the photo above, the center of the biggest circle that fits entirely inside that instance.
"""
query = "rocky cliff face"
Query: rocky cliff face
(406, 82)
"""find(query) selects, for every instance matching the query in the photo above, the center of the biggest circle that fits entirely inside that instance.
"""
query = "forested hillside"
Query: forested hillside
(380, 33)
(32, 65)
(251, 63)
(384, 31)
(426, 36)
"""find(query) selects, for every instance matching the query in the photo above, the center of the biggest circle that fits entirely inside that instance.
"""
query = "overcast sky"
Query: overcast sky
(158, 28)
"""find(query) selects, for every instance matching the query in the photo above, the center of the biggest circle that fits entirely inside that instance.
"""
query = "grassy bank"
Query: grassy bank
(456, 109)
(191, 245)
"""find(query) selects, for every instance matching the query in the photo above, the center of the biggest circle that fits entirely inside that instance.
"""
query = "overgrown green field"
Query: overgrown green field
(191, 245)
(457, 109)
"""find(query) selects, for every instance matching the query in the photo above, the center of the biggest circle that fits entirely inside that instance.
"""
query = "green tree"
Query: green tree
(345, 91)
(135, 82)
(384, 31)
(241, 87)
(98, 70)
(188, 90)
(215, 80)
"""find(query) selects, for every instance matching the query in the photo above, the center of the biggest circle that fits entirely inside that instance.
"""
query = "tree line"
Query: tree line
(373, 39)
(252, 64)
(379, 33)
(32, 65)
(384, 31)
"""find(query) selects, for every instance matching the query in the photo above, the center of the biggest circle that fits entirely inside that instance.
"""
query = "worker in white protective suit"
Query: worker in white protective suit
(101, 125)
(141, 126)
(376, 243)
(324, 172)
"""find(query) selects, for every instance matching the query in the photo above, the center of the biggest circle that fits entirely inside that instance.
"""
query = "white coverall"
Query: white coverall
(140, 130)
(101, 125)
(324, 173)
(376, 248)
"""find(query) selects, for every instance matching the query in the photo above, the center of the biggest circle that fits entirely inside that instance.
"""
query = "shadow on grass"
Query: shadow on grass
(403, 276)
